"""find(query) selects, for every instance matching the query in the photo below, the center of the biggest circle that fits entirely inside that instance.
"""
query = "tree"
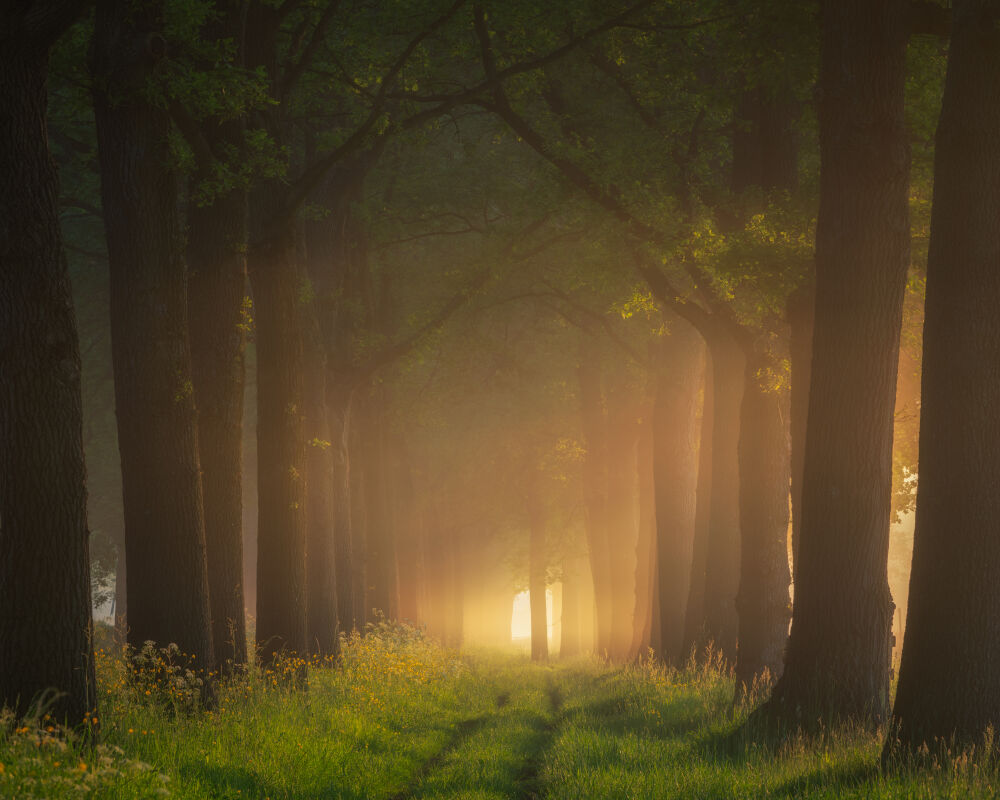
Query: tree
(837, 662)
(219, 317)
(675, 468)
(947, 693)
(45, 615)
(154, 396)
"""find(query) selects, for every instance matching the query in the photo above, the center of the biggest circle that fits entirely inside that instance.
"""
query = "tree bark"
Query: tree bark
(837, 663)
(676, 476)
(281, 447)
(168, 598)
(722, 561)
(321, 576)
(948, 694)
(218, 321)
(762, 602)
(45, 617)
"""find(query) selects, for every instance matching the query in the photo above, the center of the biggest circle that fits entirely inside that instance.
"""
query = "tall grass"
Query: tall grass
(400, 717)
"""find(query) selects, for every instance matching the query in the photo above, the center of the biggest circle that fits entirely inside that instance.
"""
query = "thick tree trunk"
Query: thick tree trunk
(281, 446)
(762, 602)
(595, 498)
(948, 693)
(168, 598)
(694, 619)
(218, 320)
(676, 476)
(45, 617)
(722, 560)
(837, 663)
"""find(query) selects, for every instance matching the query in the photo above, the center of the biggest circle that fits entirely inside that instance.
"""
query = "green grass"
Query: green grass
(404, 718)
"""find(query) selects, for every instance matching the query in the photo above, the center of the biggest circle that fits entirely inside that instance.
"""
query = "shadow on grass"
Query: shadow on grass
(462, 731)
(232, 781)
(612, 715)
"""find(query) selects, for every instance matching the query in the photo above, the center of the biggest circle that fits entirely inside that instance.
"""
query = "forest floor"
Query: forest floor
(404, 718)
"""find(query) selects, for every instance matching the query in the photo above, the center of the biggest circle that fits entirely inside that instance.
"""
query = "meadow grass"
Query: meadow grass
(401, 717)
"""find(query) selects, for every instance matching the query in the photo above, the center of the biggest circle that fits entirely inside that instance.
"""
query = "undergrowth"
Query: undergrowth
(402, 717)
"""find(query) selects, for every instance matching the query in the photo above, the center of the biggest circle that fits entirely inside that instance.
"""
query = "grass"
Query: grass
(405, 718)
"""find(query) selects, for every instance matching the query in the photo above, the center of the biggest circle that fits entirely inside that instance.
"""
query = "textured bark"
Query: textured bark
(595, 497)
(948, 692)
(45, 616)
(722, 560)
(801, 305)
(837, 662)
(762, 602)
(216, 293)
(694, 619)
(168, 597)
(676, 476)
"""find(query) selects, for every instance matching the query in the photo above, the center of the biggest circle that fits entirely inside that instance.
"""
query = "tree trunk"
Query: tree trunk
(837, 663)
(675, 470)
(536, 583)
(321, 577)
(45, 618)
(359, 524)
(281, 446)
(722, 559)
(405, 524)
(948, 693)
(595, 498)
(218, 320)
(646, 544)
(762, 602)
(168, 598)
(694, 619)
(569, 640)
(340, 395)
(380, 555)
(621, 515)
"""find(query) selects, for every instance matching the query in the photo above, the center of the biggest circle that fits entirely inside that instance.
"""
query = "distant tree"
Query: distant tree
(947, 694)
(45, 605)
(837, 662)
(675, 469)
(154, 397)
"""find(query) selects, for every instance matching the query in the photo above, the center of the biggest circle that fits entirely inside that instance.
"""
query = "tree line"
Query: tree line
(610, 297)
